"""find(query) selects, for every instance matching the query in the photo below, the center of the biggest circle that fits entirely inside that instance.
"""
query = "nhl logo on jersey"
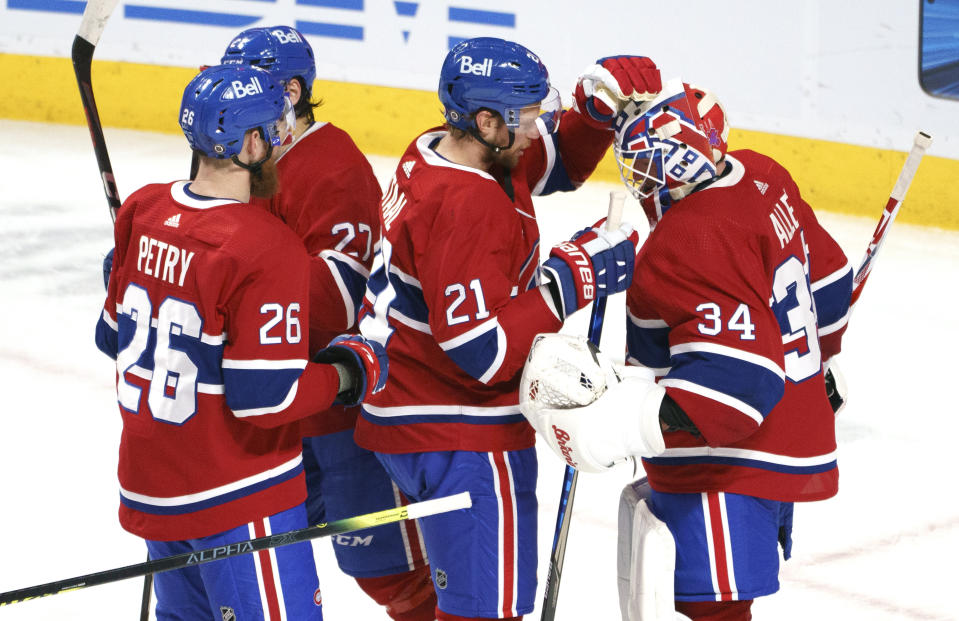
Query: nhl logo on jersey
(440, 579)
(227, 613)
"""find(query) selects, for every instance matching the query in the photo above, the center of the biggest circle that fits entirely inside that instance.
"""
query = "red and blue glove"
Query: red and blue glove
(365, 362)
(604, 87)
(594, 263)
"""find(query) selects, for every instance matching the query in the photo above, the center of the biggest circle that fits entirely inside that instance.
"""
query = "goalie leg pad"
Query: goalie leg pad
(646, 558)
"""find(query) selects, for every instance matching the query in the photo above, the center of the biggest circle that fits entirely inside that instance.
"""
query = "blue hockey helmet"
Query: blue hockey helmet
(502, 76)
(223, 102)
(281, 50)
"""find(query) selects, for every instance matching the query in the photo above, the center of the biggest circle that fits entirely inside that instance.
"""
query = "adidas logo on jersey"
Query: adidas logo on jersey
(484, 68)
(408, 167)
(173, 221)
(762, 187)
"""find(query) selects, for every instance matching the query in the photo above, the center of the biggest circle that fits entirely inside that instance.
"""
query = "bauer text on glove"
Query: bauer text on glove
(594, 263)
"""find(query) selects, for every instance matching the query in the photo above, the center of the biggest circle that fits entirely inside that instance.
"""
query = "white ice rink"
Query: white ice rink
(884, 549)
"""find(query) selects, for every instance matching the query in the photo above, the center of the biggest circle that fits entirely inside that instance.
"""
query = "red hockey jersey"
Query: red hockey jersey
(738, 296)
(454, 293)
(331, 199)
(204, 316)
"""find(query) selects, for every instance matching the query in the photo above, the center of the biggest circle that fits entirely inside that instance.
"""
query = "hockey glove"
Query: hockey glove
(836, 389)
(107, 268)
(364, 363)
(591, 412)
(604, 87)
(596, 262)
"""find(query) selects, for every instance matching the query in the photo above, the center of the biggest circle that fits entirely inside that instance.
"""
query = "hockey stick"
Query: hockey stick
(190, 559)
(568, 492)
(920, 143)
(94, 20)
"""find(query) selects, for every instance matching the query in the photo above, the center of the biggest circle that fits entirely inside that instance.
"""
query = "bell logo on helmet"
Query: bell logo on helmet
(484, 68)
(242, 90)
(286, 36)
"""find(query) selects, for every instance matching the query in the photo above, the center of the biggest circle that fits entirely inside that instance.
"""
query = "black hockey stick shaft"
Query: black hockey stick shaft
(94, 19)
(568, 493)
(190, 559)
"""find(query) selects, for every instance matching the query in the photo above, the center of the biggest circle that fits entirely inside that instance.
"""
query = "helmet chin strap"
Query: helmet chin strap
(253, 167)
(474, 132)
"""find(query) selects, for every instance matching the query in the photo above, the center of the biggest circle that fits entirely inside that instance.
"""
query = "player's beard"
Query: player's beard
(265, 181)
(508, 158)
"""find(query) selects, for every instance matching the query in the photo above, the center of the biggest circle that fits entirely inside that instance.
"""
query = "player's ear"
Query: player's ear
(295, 91)
(251, 141)
(487, 121)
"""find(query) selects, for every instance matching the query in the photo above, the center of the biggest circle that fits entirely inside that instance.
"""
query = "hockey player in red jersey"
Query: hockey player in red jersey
(204, 316)
(330, 198)
(738, 299)
(458, 293)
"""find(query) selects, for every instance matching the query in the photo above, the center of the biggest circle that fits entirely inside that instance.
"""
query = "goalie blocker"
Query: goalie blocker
(591, 412)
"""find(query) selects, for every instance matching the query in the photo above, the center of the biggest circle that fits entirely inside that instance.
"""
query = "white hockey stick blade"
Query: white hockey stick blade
(95, 18)
(440, 505)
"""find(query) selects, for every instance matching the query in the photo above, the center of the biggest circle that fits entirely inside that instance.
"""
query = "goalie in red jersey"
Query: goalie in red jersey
(738, 300)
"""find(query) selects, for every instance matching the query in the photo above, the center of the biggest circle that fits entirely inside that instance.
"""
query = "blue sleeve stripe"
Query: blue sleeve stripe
(350, 277)
(715, 395)
(255, 392)
(532, 256)
(738, 383)
(206, 352)
(832, 296)
(656, 371)
(743, 463)
(840, 274)
(480, 351)
(647, 342)
(706, 349)
(409, 300)
(555, 178)
(106, 335)
(550, 148)
(199, 501)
